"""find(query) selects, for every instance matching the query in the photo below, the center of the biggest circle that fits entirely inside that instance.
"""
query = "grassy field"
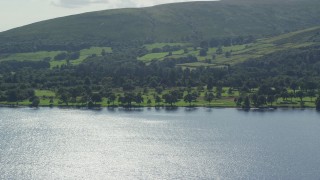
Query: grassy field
(44, 93)
(37, 56)
(32, 56)
(153, 56)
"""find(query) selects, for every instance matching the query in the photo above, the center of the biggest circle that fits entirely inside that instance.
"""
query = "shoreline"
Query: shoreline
(157, 107)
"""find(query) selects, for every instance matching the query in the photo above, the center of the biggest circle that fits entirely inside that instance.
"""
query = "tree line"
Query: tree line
(274, 74)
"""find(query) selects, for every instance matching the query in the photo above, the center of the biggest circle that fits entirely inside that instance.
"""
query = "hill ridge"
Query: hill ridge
(187, 22)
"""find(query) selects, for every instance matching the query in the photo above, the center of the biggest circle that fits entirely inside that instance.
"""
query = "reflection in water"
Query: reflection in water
(172, 109)
(111, 109)
(131, 110)
(159, 143)
(190, 109)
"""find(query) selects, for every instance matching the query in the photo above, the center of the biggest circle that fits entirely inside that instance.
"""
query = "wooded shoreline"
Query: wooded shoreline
(156, 107)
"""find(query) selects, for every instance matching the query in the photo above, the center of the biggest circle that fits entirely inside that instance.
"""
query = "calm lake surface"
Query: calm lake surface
(158, 144)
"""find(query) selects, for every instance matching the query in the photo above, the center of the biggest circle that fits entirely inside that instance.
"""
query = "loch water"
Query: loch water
(148, 143)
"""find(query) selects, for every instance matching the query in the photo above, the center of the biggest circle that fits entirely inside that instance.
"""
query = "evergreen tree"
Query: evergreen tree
(246, 103)
(139, 99)
(210, 84)
(189, 98)
(112, 98)
(209, 97)
(270, 99)
(300, 95)
(318, 104)
(158, 100)
(35, 102)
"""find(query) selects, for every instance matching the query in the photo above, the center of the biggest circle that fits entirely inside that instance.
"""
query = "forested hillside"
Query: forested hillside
(180, 22)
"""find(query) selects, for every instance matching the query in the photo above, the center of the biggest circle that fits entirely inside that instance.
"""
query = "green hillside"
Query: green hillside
(180, 22)
(240, 53)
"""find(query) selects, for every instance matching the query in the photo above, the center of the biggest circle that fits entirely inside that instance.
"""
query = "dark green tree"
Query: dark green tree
(51, 101)
(35, 102)
(128, 99)
(219, 92)
(204, 44)
(311, 94)
(128, 86)
(87, 81)
(112, 98)
(209, 97)
(246, 103)
(300, 95)
(294, 85)
(291, 95)
(284, 95)
(61, 56)
(158, 100)
(230, 91)
(210, 84)
(203, 52)
(139, 99)
(270, 99)
(74, 55)
(159, 90)
(318, 104)
(170, 98)
(103, 52)
(64, 97)
(261, 101)
(189, 98)
(219, 50)
(12, 95)
(96, 98)
(254, 99)
(238, 101)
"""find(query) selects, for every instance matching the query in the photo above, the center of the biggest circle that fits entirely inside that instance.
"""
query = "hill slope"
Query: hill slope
(172, 22)
(306, 38)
